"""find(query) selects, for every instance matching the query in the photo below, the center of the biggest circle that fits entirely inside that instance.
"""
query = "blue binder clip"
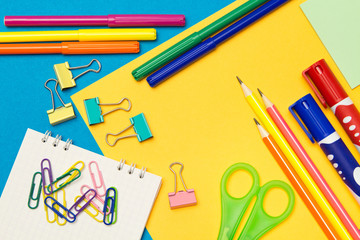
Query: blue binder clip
(93, 109)
(140, 126)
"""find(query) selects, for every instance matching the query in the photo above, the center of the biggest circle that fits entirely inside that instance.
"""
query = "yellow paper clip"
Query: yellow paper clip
(74, 166)
(47, 210)
(62, 113)
(57, 207)
(93, 215)
(65, 77)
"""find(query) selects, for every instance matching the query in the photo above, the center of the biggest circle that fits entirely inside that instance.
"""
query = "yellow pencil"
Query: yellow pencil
(295, 162)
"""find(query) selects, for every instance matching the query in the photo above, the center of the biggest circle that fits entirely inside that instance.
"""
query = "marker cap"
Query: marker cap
(324, 83)
(311, 119)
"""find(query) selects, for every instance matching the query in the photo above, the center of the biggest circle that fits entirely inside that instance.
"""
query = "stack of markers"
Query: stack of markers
(84, 41)
(104, 210)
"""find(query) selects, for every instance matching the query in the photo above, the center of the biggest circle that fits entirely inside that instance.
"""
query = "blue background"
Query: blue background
(24, 100)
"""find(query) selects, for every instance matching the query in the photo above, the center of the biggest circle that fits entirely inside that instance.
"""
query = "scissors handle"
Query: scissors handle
(259, 222)
(232, 208)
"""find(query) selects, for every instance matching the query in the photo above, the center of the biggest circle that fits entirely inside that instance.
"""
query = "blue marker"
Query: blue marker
(317, 126)
(211, 43)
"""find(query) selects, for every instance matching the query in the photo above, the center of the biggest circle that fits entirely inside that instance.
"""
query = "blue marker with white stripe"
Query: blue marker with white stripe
(317, 126)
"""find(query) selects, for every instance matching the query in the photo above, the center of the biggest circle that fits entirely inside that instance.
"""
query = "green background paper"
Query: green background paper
(337, 23)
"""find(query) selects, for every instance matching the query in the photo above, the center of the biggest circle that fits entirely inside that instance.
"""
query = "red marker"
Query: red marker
(329, 91)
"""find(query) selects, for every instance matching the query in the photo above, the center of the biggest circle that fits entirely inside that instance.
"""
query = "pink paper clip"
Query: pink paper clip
(102, 184)
(84, 189)
(181, 198)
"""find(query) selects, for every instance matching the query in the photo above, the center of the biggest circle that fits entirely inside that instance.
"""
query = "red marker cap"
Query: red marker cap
(324, 83)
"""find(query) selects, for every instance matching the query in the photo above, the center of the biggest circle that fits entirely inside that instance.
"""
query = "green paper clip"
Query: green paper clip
(65, 77)
(62, 113)
(93, 109)
(67, 182)
(38, 194)
(140, 126)
(111, 200)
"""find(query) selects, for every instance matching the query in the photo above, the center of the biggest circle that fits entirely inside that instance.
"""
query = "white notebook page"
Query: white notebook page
(136, 195)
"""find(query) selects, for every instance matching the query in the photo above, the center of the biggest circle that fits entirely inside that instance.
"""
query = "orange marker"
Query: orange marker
(68, 48)
(297, 183)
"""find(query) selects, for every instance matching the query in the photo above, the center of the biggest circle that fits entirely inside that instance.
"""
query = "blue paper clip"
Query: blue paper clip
(110, 218)
(56, 203)
(93, 109)
(140, 126)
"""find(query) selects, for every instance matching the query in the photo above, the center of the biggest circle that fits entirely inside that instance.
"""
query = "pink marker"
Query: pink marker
(123, 20)
(310, 166)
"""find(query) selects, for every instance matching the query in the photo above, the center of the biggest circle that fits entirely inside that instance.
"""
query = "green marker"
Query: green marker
(194, 39)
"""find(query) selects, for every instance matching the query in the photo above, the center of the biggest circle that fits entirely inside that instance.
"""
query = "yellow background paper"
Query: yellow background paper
(200, 118)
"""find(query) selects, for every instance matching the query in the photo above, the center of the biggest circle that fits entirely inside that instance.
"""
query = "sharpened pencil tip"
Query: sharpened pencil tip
(260, 92)
(257, 123)
(239, 80)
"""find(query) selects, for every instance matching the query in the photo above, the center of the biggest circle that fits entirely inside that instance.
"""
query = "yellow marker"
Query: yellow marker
(295, 162)
(82, 35)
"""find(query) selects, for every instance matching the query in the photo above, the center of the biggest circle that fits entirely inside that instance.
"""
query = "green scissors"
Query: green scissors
(233, 209)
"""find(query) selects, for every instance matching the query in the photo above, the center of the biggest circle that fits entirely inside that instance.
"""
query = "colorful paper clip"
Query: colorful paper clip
(74, 166)
(178, 199)
(112, 202)
(77, 208)
(48, 172)
(65, 77)
(69, 174)
(72, 216)
(36, 199)
(57, 207)
(93, 109)
(93, 215)
(101, 179)
(84, 188)
(141, 129)
(47, 210)
(62, 113)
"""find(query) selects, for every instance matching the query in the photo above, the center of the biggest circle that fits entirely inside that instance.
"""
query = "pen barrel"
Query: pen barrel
(117, 34)
(14, 49)
(343, 162)
(26, 21)
(349, 117)
(39, 36)
(166, 56)
(181, 62)
(145, 20)
(99, 47)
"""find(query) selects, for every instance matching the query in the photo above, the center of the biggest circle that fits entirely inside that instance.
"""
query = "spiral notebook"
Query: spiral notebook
(137, 191)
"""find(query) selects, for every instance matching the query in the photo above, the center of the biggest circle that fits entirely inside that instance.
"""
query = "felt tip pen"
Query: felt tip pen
(82, 35)
(330, 92)
(112, 20)
(194, 39)
(317, 126)
(211, 43)
(70, 48)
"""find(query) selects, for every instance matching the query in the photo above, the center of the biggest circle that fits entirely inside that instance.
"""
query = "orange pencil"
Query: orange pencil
(297, 183)
(68, 48)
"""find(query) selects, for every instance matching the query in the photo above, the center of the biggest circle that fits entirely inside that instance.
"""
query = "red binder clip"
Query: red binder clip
(181, 198)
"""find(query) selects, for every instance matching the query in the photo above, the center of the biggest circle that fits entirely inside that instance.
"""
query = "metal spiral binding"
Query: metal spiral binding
(56, 140)
(132, 168)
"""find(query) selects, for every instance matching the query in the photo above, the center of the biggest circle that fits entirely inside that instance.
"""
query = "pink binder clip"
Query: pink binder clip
(181, 198)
